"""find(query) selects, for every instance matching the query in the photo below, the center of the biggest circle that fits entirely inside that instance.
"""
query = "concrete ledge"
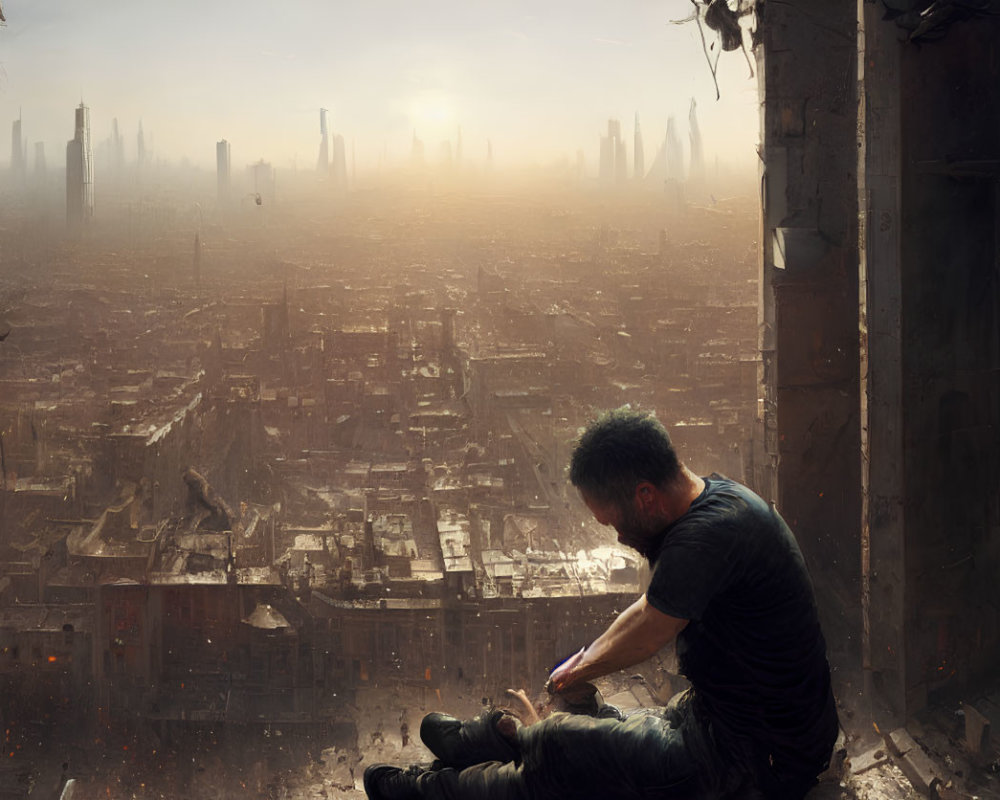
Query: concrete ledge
(914, 762)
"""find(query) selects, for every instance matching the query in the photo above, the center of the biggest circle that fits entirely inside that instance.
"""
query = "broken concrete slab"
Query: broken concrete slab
(900, 742)
(921, 771)
(918, 767)
(868, 759)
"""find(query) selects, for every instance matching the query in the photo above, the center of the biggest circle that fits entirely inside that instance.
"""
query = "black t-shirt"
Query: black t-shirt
(753, 649)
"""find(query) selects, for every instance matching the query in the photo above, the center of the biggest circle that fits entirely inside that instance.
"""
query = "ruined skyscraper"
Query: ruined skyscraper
(117, 150)
(667, 172)
(638, 155)
(140, 140)
(80, 172)
(697, 172)
(323, 162)
(222, 168)
(17, 154)
(669, 162)
(614, 161)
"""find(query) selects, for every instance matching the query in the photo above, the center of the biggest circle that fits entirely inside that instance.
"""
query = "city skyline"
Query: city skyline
(539, 84)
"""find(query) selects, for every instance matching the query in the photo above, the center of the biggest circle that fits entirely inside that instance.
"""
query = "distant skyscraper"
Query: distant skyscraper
(615, 128)
(264, 182)
(117, 149)
(140, 141)
(458, 148)
(613, 165)
(606, 162)
(339, 166)
(668, 166)
(222, 168)
(621, 162)
(639, 156)
(697, 153)
(80, 172)
(323, 162)
(17, 154)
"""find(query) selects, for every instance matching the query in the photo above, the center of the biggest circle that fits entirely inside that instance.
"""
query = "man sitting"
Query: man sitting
(729, 586)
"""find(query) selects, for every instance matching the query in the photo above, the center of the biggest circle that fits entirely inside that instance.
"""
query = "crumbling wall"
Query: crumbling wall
(809, 301)
(950, 104)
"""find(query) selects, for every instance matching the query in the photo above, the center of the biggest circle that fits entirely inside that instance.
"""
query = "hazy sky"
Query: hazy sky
(538, 78)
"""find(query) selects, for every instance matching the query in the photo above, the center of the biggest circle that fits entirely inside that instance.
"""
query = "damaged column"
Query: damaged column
(809, 302)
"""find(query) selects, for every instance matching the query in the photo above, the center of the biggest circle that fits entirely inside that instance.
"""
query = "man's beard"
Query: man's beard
(639, 534)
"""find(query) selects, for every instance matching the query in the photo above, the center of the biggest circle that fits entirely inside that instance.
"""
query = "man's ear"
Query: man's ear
(645, 495)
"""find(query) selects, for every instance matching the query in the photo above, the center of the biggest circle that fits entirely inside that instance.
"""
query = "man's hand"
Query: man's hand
(638, 632)
(523, 708)
(563, 676)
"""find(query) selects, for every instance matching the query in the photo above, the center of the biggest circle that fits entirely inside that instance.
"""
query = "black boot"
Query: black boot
(459, 744)
(384, 782)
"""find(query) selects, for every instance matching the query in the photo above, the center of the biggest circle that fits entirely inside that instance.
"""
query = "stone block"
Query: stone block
(920, 770)
(900, 742)
(868, 759)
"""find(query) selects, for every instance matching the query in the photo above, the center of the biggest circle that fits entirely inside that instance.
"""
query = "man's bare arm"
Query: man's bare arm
(523, 708)
(638, 632)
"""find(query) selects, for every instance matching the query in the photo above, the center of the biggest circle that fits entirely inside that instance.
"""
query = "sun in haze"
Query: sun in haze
(433, 117)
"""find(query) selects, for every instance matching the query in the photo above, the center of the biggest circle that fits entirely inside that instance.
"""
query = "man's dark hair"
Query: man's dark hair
(618, 451)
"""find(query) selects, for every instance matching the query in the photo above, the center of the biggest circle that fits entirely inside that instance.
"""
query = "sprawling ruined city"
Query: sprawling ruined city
(282, 467)
(284, 450)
